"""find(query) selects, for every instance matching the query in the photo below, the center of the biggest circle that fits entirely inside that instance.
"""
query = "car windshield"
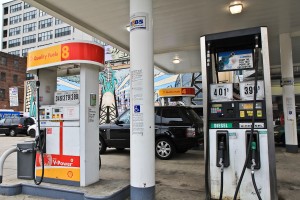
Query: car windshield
(193, 115)
(125, 117)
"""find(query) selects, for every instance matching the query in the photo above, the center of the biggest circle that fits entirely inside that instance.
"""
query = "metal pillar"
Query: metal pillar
(142, 159)
(288, 93)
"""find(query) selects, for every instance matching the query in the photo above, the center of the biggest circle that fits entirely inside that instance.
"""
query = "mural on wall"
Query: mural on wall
(108, 105)
(30, 98)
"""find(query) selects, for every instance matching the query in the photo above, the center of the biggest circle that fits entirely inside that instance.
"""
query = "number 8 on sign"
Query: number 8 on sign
(65, 52)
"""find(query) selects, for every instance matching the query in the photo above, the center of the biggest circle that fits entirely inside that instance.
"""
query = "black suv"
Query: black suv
(14, 126)
(177, 129)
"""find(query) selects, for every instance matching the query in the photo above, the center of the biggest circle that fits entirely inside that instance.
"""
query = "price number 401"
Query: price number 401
(221, 91)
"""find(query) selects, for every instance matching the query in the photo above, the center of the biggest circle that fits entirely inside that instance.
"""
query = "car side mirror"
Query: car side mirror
(118, 122)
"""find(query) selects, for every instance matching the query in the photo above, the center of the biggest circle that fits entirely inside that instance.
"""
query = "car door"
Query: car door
(6, 126)
(2, 125)
(119, 135)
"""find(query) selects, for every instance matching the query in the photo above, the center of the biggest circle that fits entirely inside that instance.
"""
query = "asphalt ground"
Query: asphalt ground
(181, 178)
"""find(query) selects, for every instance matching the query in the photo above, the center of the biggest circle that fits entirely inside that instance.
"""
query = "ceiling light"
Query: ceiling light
(128, 28)
(236, 7)
(176, 60)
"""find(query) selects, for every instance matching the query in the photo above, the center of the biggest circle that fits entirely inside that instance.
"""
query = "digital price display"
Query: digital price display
(66, 97)
(221, 92)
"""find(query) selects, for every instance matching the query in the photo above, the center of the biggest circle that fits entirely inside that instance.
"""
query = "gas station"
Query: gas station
(235, 60)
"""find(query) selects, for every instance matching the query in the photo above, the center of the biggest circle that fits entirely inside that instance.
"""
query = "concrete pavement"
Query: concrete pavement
(181, 178)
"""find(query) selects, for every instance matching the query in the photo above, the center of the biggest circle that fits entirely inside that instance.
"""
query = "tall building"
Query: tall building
(12, 77)
(26, 27)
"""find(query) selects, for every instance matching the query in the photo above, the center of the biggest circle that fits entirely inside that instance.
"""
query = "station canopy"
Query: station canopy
(178, 25)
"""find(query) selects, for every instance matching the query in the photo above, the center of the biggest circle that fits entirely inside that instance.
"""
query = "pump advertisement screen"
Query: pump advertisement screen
(235, 60)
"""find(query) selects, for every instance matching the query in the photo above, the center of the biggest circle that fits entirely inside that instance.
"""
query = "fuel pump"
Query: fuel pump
(238, 120)
(67, 120)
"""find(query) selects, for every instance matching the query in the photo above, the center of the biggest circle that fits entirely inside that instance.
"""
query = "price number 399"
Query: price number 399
(250, 90)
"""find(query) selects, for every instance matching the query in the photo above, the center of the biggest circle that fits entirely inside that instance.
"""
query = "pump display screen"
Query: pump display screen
(249, 106)
(235, 60)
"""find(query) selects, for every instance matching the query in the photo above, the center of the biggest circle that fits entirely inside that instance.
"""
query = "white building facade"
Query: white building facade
(26, 27)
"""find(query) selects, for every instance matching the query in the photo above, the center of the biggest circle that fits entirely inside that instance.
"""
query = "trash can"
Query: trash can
(26, 160)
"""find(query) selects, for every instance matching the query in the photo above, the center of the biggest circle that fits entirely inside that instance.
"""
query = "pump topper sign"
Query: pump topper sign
(71, 52)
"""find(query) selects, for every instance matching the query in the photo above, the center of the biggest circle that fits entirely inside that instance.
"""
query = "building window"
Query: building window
(4, 45)
(2, 94)
(15, 19)
(3, 76)
(15, 31)
(16, 64)
(29, 15)
(5, 10)
(14, 43)
(29, 76)
(45, 23)
(58, 21)
(26, 5)
(5, 33)
(15, 78)
(45, 36)
(16, 7)
(29, 39)
(63, 31)
(25, 51)
(5, 22)
(42, 13)
(16, 53)
(4, 61)
(29, 27)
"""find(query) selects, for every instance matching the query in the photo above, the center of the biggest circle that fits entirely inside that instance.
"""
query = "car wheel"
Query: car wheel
(164, 149)
(12, 133)
(7, 134)
(102, 146)
(32, 133)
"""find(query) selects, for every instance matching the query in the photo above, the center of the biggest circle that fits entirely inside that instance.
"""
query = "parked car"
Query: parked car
(279, 133)
(177, 129)
(14, 126)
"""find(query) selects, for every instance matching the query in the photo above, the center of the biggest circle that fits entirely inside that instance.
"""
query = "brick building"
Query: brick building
(12, 75)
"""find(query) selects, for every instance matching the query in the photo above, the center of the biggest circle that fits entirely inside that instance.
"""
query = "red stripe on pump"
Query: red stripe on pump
(61, 138)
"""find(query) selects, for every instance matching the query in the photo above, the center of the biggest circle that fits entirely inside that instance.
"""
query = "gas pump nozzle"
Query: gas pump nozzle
(221, 153)
(253, 152)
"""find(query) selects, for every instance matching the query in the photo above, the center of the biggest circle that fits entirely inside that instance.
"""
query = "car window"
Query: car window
(170, 116)
(125, 117)
(2, 121)
(15, 121)
(28, 121)
(7, 122)
(193, 115)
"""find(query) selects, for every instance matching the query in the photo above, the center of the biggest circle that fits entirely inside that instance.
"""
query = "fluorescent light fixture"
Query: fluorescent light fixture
(236, 7)
(176, 60)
